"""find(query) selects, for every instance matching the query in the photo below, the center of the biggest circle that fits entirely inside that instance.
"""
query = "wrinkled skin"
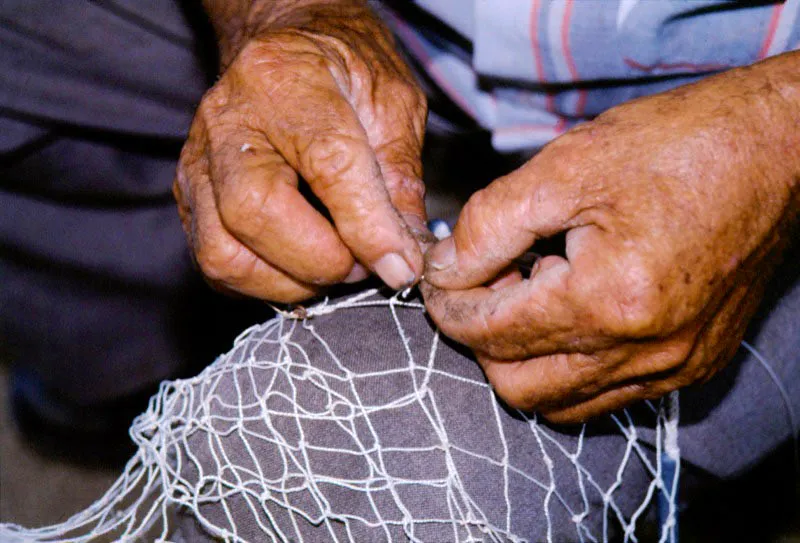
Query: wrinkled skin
(325, 101)
(676, 208)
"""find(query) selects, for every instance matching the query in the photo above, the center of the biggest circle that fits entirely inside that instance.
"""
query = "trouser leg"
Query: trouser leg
(363, 425)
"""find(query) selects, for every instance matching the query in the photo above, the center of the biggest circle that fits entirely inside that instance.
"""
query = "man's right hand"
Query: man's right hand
(327, 100)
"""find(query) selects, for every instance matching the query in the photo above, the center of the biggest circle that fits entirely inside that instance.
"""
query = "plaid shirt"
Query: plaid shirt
(537, 67)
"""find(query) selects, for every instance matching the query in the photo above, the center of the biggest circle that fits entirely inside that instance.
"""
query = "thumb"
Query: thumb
(497, 225)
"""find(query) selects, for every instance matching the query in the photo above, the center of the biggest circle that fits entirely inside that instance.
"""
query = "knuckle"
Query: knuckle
(243, 206)
(247, 207)
(638, 316)
(191, 164)
(253, 54)
(401, 163)
(335, 48)
(329, 158)
(560, 156)
(224, 262)
(409, 187)
(700, 367)
(408, 93)
(636, 306)
(669, 358)
(177, 189)
(214, 100)
(514, 392)
(514, 396)
(278, 63)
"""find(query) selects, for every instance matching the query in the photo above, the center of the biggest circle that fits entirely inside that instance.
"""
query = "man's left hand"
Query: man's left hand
(675, 208)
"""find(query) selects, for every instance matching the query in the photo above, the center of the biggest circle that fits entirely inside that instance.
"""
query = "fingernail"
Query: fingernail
(419, 230)
(358, 273)
(443, 254)
(394, 271)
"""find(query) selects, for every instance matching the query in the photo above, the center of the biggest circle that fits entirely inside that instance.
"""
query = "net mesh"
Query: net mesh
(354, 420)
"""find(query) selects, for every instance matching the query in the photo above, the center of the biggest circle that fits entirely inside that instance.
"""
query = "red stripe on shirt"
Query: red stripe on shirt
(573, 70)
(535, 45)
(773, 27)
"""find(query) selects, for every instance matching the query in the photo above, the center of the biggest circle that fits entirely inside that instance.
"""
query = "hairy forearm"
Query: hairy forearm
(237, 21)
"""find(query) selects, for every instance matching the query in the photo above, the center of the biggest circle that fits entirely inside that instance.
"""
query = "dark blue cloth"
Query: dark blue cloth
(98, 294)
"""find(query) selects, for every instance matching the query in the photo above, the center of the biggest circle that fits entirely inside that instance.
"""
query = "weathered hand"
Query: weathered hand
(327, 100)
(675, 207)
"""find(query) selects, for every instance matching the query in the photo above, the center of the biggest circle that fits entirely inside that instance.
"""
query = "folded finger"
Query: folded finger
(574, 387)
(606, 402)
(551, 381)
(226, 261)
(259, 204)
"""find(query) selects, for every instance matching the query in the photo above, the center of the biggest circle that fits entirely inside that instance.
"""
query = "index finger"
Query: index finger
(260, 205)
(539, 316)
(498, 224)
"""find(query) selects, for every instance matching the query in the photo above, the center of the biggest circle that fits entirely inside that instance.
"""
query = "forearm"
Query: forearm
(237, 21)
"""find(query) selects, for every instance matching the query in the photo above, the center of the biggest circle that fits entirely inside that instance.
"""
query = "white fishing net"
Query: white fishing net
(355, 421)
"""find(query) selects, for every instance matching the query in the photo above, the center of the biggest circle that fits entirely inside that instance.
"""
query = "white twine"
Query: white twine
(142, 502)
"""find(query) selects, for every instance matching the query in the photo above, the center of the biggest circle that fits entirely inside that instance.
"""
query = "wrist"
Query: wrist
(236, 22)
(774, 85)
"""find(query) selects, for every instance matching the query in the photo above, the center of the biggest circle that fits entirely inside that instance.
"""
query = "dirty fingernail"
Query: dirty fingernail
(443, 254)
(394, 271)
(358, 273)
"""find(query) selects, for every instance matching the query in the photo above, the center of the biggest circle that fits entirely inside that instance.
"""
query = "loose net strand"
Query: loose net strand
(198, 452)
